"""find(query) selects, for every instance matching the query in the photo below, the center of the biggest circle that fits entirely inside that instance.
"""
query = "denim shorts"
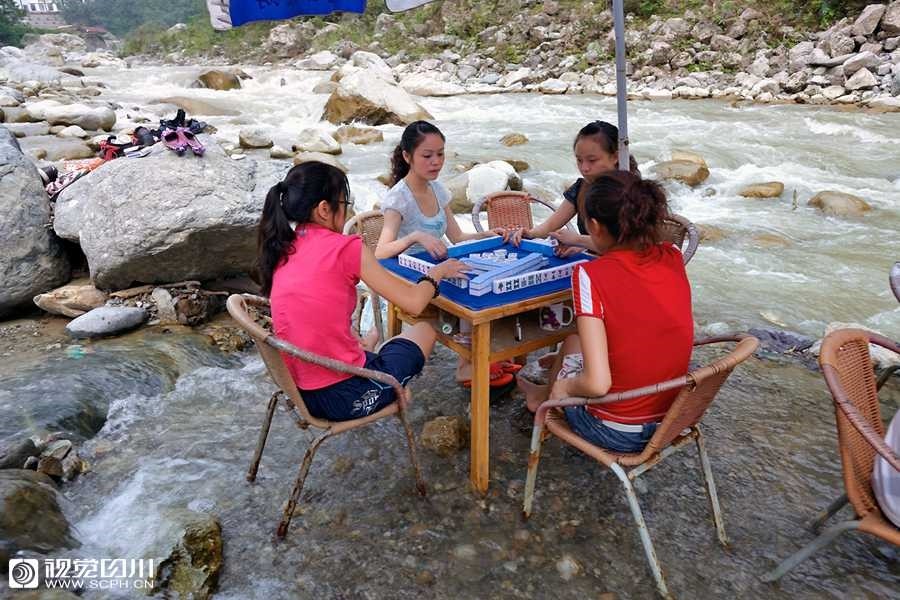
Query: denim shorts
(358, 397)
(592, 428)
(596, 432)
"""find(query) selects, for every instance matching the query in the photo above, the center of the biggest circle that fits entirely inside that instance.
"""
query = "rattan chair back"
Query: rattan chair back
(848, 371)
(368, 225)
(508, 209)
(682, 233)
(687, 410)
(238, 307)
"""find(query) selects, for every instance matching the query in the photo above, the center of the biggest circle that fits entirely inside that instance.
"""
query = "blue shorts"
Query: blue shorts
(596, 432)
(358, 397)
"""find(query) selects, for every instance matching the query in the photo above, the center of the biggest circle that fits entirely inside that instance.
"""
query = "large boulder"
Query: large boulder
(365, 96)
(320, 61)
(770, 189)
(352, 134)
(313, 140)
(215, 79)
(53, 148)
(192, 569)
(868, 19)
(31, 256)
(196, 107)
(106, 320)
(839, 204)
(479, 181)
(24, 70)
(87, 117)
(685, 171)
(862, 79)
(30, 515)
(178, 218)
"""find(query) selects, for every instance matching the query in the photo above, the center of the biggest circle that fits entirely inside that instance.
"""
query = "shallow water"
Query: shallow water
(361, 531)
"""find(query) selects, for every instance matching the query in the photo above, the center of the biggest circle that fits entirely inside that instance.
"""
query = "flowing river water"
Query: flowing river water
(183, 418)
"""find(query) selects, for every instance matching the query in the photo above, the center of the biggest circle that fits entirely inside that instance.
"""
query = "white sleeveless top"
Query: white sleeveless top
(400, 198)
(885, 480)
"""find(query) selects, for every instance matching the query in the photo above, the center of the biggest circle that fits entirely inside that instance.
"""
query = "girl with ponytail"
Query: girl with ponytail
(309, 269)
(416, 210)
(596, 150)
(630, 303)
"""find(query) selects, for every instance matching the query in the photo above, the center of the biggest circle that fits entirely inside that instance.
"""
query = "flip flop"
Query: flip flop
(173, 141)
(499, 378)
(189, 139)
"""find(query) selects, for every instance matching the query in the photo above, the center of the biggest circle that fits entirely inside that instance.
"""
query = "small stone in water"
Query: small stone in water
(425, 578)
(567, 567)
(465, 552)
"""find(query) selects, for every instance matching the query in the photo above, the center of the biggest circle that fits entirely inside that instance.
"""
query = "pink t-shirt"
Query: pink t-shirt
(313, 297)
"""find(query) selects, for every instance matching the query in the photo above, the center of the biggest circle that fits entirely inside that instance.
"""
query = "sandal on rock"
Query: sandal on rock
(189, 139)
(173, 141)
(499, 378)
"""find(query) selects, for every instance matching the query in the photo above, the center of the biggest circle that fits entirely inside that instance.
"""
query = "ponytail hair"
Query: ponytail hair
(632, 209)
(607, 135)
(293, 200)
(412, 136)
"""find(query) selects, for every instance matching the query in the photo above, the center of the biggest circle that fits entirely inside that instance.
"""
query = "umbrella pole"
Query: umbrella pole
(621, 84)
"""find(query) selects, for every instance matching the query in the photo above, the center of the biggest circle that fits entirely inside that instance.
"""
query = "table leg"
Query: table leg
(479, 466)
(394, 325)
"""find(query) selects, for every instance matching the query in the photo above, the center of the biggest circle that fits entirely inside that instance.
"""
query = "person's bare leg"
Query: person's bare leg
(422, 335)
(463, 370)
(536, 394)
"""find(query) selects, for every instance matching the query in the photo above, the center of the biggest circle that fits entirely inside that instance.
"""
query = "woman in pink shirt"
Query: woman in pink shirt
(309, 269)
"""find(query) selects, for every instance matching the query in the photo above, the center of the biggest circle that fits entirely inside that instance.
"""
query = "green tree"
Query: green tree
(11, 26)
(121, 17)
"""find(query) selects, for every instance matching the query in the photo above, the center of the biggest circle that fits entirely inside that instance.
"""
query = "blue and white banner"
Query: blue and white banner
(225, 14)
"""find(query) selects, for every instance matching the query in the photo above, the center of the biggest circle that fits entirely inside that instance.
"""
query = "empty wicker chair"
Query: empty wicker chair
(680, 426)
(368, 225)
(270, 348)
(848, 372)
(508, 209)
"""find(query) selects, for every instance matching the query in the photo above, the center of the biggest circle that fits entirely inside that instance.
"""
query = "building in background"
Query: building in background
(43, 15)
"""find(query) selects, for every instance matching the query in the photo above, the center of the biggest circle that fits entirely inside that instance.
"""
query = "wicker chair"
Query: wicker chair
(680, 426)
(368, 225)
(508, 209)
(270, 348)
(848, 372)
(682, 233)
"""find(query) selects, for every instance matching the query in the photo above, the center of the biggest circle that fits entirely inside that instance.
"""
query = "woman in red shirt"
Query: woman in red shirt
(310, 271)
(633, 311)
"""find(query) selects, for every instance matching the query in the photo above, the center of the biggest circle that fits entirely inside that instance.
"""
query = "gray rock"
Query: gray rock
(863, 60)
(254, 137)
(14, 454)
(30, 516)
(890, 23)
(106, 320)
(202, 227)
(28, 129)
(92, 118)
(52, 148)
(868, 19)
(31, 257)
(862, 79)
(192, 569)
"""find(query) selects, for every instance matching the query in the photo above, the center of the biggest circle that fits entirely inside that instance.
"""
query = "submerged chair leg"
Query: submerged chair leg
(816, 525)
(534, 457)
(643, 531)
(711, 490)
(413, 457)
(817, 544)
(263, 434)
(298, 484)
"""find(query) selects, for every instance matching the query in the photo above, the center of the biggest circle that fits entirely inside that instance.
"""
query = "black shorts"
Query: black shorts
(358, 397)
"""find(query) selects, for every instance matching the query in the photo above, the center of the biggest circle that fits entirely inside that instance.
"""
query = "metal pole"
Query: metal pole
(621, 84)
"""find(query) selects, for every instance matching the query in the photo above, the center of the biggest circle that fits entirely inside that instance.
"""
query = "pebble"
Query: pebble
(465, 552)
(567, 567)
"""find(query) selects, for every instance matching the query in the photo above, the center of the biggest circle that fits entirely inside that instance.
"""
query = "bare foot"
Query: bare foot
(547, 360)
(535, 394)
(463, 371)
(370, 340)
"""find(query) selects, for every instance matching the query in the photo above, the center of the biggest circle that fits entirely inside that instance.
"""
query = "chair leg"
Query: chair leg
(413, 457)
(263, 434)
(298, 484)
(816, 525)
(817, 544)
(534, 456)
(711, 490)
(643, 531)
(375, 303)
